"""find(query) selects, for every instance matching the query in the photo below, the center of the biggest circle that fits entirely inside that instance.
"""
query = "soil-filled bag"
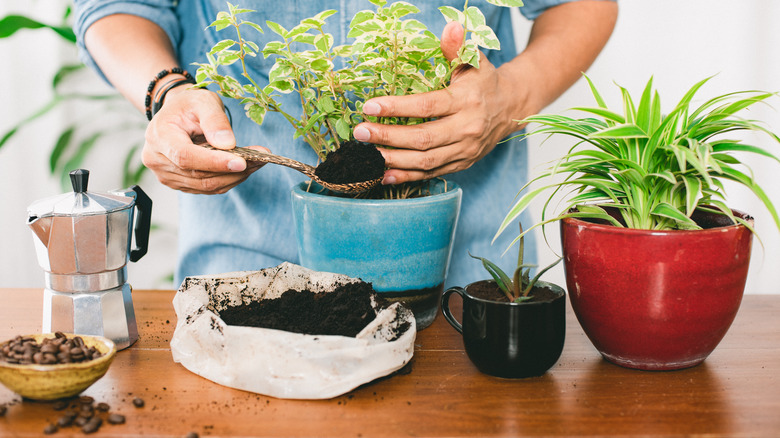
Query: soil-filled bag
(279, 363)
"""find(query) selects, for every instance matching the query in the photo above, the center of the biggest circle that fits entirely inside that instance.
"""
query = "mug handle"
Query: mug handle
(445, 307)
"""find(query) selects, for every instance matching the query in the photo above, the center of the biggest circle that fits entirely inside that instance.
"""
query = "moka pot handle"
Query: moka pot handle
(143, 223)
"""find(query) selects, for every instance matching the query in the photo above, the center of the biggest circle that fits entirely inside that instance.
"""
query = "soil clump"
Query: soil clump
(353, 161)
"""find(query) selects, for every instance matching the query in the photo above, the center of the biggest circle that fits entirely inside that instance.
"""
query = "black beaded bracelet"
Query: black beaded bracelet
(154, 105)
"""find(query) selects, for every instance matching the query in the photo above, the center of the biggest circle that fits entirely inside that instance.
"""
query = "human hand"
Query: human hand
(171, 153)
(471, 116)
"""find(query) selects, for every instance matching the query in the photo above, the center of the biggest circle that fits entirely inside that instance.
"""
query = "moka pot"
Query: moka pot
(83, 243)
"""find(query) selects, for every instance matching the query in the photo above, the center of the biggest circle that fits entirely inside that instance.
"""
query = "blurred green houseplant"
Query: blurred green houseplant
(74, 143)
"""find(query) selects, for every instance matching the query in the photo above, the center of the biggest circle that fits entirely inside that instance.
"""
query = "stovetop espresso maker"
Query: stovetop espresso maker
(83, 242)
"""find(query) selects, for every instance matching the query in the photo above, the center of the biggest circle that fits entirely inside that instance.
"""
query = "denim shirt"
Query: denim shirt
(251, 226)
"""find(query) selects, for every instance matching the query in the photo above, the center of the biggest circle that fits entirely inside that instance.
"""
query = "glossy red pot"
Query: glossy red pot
(655, 300)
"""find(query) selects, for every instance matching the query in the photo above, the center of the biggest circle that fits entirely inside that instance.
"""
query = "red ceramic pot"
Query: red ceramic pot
(655, 300)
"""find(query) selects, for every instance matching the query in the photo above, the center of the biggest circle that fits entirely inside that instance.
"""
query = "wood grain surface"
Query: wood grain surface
(735, 392)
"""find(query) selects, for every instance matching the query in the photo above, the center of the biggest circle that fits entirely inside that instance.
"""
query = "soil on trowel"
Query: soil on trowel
(345, 311)
(353, 161)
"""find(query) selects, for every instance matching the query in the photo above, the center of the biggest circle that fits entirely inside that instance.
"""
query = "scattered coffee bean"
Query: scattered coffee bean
(50, 429)
(80, 421)
(116, 419)
(60, 405)
(60, 349)
(192, 435)
(92, 425)
(138, 402)
(103, 407)
(86, 400)
(66, 420)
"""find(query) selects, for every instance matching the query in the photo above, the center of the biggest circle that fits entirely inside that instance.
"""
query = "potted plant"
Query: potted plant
(405, 258)
(512, 327)
(655, 260)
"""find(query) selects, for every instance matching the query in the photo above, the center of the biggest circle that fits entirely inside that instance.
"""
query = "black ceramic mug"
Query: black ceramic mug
(510, 339)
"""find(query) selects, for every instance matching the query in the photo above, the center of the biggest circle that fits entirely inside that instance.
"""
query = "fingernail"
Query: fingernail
(389, 180)
(371, 108)
(237, 165)
(361, 133)
(224, 138)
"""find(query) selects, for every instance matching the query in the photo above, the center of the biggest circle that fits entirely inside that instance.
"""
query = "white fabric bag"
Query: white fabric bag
(279, 363)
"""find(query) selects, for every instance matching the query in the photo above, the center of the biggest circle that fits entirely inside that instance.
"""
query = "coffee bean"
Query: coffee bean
(192, 435)
(50, 429)
(103, 407)
(25, 350)
(50, 347)
(80, 421)
(65, 420)
(138, 402)
(86, 400)
(92, 425)
(116, 419)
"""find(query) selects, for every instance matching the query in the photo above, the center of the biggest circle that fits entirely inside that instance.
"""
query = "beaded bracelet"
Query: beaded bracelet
(159, 97)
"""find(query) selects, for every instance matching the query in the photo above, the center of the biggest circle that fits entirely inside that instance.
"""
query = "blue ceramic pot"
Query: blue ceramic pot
(401, 246)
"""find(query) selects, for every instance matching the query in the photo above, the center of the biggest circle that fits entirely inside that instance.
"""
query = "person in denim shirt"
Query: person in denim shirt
(234, 217)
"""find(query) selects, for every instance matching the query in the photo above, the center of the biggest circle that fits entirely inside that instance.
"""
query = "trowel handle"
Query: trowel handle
(143, 223)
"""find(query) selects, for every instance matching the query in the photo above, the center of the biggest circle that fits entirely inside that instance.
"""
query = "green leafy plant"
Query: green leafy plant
(390, 54)
(518, 288)
(654, 169)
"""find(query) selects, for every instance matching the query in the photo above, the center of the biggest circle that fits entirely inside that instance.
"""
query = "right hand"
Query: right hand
(171, 153)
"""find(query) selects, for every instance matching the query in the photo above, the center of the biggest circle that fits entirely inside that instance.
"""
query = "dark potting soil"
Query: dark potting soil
(488, 290)
(353, 161)
(345, 311)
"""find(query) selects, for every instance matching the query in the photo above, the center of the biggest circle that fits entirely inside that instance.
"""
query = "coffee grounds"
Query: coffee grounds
(345, 311)
(489, 290)
(353, 161)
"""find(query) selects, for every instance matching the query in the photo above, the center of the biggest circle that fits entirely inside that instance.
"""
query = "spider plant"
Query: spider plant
(654, 169)
(518, 288)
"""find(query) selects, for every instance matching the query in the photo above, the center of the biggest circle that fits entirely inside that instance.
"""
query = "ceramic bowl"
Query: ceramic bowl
(51, 382)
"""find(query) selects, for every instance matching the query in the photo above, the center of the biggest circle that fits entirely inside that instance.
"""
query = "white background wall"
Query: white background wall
(676, 42)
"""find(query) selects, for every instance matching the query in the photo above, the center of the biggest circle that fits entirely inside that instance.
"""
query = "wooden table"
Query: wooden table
(735, 392)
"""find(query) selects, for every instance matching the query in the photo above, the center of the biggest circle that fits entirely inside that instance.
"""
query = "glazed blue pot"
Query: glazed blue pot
(401, 246)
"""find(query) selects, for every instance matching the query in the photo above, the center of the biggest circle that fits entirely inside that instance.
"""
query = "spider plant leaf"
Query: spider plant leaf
(737, 176)
(626, 130)
(519, 207)
(645, 115)
(595, 93)
(665, 210)
(603, 112)
(739, 147)
(692, 194)
(665, 175)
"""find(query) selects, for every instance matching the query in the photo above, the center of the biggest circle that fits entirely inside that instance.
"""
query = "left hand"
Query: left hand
(471, 116)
